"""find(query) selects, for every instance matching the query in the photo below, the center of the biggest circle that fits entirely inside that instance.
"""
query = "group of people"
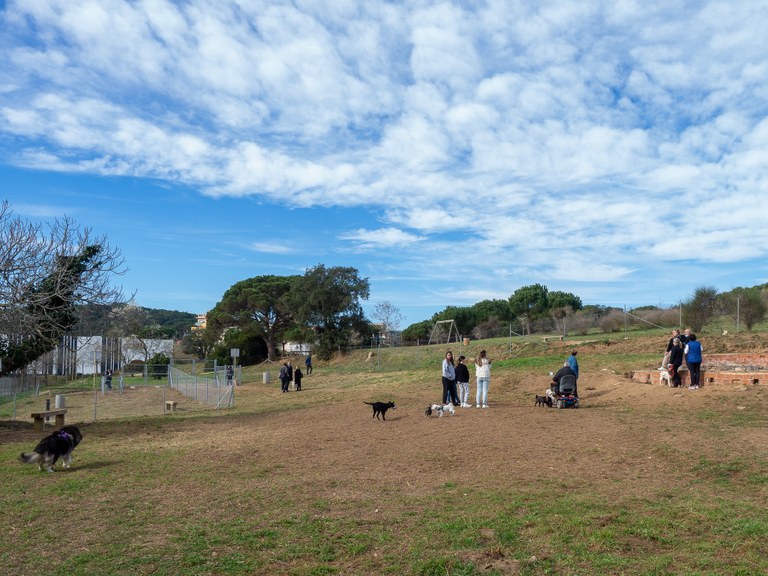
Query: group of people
(683, 347)
(287, 375)
(456, 380)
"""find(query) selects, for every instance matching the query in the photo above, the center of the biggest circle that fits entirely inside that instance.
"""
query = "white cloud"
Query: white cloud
(275, 247)
(383, 238)
(532, 128)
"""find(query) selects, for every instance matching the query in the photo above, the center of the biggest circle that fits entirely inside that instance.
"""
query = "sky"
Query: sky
(451, 152)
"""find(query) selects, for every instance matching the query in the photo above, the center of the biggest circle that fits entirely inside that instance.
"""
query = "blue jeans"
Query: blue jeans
(482, 390)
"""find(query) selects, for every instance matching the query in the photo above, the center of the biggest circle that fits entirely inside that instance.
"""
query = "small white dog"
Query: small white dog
(664, 378)
(440, 410)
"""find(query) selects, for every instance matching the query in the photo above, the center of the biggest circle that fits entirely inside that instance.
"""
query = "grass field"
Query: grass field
(641, 480)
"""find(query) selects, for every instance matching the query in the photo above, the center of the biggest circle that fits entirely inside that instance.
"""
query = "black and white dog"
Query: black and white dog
(60, 444)
(381, 408)
(440, 409)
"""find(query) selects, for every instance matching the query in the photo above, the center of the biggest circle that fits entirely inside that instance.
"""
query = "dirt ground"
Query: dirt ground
(627, 441)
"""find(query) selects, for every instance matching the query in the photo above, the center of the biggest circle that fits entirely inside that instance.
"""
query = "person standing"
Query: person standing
(230, 374)
(283, 375)
(675, 361)
(108, 378)
(308, 364)
(665, 360)
(483, 375)
(449, 380)
(693, 352)
(462, 380)
(573, 363)
(297, 376)
(290, 373)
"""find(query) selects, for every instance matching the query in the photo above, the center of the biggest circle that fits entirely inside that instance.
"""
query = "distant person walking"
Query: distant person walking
(108, 378)
(693, 351)
(483, 375)
(462, 381)
(308, 364)
(449, 380)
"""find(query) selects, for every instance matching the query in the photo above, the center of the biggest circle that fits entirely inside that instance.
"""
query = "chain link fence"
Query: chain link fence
(136, 391)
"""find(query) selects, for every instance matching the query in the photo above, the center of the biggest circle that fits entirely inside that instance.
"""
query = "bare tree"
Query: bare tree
(46, 272)
(389, 316)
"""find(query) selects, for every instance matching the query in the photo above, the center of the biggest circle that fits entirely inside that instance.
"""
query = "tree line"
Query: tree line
(57, 280)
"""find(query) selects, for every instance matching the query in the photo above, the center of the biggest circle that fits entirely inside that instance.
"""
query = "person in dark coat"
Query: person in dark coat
(675, 361)
(297, 376)
(284, 378)
(462, 380)
(566, 369)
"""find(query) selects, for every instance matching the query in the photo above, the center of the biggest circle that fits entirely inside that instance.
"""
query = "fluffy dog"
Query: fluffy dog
(543, 401)
(60, 444)
(440, 409)
(381, 408)
(664, 378)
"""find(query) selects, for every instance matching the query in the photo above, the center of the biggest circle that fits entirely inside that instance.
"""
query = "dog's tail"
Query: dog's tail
(369, 403)
(30, 457)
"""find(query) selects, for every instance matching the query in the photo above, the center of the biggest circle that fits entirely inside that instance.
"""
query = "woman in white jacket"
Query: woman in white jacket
(483, 374)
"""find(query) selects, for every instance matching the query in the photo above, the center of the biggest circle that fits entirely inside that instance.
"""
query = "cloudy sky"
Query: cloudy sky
(450, 151)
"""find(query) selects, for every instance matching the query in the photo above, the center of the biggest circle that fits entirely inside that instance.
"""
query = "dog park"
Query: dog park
(641, 479)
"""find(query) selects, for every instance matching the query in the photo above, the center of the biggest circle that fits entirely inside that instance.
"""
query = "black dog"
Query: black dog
(381, 408)
(57, 445)
(542, 400)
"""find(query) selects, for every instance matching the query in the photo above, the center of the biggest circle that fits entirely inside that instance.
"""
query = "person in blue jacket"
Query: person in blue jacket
(573, 363)
(693, 361)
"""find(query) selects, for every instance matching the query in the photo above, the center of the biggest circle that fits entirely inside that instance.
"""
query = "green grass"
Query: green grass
(151, 496)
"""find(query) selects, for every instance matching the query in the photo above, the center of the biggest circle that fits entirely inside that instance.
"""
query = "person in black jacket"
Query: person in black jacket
(462, 380)
(675, 361)
(566, 369)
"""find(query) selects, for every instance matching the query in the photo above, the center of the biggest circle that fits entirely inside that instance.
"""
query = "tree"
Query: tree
(463, 316)
(141, 337)
(487, 309)
(529, 303)
(746, 305)
(419, 331)
(561, 305)
(260, 305)
(700, 308)
(46, 274)
(158, 366)
(327, 300)
(199, 343)
(389, 317)
(561, 300)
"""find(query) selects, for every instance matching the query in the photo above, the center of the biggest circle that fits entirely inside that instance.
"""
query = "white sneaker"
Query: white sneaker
(485, 405)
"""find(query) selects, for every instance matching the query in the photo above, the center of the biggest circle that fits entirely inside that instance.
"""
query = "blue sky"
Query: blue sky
(450, 151)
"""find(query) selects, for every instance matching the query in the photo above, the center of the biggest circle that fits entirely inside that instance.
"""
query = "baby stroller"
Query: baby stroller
(564, 393)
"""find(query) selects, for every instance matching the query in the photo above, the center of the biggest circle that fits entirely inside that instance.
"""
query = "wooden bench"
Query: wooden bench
(39, 418)
(170, 405)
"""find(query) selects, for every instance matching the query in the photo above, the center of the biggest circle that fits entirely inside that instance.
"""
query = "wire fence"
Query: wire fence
(138, 391)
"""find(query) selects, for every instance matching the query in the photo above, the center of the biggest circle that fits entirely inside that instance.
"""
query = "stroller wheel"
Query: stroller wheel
(559, 403)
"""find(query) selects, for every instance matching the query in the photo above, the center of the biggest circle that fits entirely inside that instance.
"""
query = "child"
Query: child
(297, 376)
(462, 379)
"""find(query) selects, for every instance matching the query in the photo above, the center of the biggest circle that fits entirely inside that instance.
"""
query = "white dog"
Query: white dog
(664, 378)
(440, 409)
